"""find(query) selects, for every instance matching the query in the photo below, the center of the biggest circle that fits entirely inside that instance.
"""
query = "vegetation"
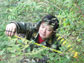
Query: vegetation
(71, 31)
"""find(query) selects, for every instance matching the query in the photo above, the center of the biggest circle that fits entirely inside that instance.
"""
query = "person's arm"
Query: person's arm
(19, 27)
(22, 27)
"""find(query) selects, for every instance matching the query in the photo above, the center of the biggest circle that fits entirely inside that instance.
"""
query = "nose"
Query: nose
(44, 30)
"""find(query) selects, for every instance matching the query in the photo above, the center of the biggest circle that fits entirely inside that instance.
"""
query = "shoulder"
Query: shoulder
(34, 26)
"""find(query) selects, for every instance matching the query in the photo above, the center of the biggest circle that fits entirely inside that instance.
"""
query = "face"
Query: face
(45, 30)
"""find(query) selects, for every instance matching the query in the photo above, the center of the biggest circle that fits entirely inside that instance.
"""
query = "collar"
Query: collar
(47, 41)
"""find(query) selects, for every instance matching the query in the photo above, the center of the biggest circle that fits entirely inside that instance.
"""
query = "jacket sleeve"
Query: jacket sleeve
(23, 27)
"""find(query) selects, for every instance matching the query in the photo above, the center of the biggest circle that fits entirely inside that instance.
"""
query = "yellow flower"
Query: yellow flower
(64, 19)
(62, 39)
(59, 38)
(75, 55)
(68, 45)
(70, 49)
(63, 42)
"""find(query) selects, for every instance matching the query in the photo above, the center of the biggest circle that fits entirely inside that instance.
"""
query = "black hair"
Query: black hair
(51, 20)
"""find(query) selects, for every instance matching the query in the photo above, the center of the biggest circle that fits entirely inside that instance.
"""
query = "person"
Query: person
(42, 32)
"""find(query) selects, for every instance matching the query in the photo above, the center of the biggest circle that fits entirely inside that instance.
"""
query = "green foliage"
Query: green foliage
(70, 14)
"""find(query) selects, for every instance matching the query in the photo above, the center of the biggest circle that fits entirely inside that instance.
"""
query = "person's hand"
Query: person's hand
(10, 29)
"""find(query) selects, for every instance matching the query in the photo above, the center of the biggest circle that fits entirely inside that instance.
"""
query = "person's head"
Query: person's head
(48, 26)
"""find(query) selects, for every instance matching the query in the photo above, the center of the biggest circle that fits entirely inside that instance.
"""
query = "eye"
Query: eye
(49, 30)
(42, 26)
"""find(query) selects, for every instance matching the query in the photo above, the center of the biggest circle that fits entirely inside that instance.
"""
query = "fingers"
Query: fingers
(9, 33)
(10, 29)
(7, 30)
(12, 32)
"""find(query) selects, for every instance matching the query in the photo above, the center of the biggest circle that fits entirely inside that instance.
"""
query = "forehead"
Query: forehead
(46, 25)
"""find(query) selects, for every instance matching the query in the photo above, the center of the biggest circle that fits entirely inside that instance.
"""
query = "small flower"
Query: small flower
(68, 45)
(63, 42)
(75, 55)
